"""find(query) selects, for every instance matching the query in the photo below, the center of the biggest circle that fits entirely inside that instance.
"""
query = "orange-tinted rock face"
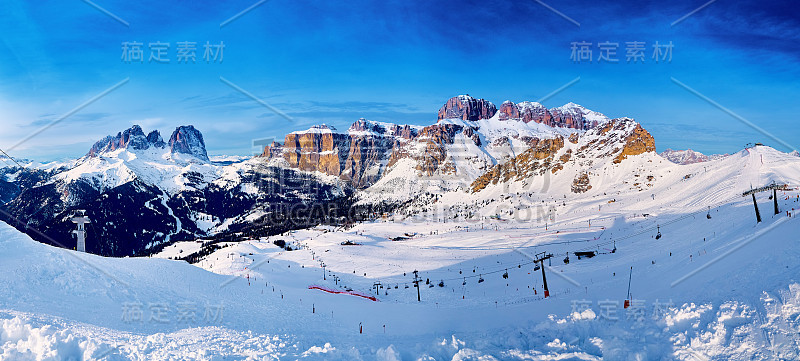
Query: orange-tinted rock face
(467, 108)
(573, 138)
(638, 142)
(362, 167)
(323, 152)
(436, 138)
(272, 150)
(614, 141)
(357, 156)
(534, 161)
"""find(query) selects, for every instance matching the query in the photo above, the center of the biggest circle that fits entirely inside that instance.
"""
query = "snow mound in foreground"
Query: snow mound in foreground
(19, 340)
(732, 331)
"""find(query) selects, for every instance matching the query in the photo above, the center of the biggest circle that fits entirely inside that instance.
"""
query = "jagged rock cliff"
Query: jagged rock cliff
(184, 140)
(472, 144)
(612, 143)
(359, 155)
(465, 107)
(188, 140)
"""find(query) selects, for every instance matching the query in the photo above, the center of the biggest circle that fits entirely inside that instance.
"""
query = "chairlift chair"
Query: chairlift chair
(505, 275)
(480, 278)
(658, 235)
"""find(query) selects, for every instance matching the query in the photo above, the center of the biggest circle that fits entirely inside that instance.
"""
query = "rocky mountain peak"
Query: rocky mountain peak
(188, 140)
(466, 107)
(525, 111)
(570, 115)
(575, 116)
(363, 125)
(273, 150)
(132, 138)
(154, 138)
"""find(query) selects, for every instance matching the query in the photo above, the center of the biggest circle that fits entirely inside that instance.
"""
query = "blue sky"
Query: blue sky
(397, 61)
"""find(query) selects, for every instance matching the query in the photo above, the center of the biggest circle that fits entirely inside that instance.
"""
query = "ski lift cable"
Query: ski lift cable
(10, 157)
(504, 267)
(650, 229)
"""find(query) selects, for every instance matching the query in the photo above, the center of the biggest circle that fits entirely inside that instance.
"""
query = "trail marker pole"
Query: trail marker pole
(628, 299)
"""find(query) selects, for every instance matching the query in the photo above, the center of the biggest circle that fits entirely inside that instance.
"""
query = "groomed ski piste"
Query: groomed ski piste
(715, 285)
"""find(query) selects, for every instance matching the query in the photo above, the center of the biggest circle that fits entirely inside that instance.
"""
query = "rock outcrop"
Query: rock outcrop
(537, 160)
(637, 142)
(368, 150)
(320, 148)
(570, 115)
(273, 150)
(188, 140)
(613, 142)
(581, 183)
(131, 138)
(185, 139)
(466, 107)
(359, 155)
(435, 139)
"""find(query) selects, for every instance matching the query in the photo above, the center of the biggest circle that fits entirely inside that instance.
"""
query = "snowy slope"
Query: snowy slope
(716, 297)
(153, 166)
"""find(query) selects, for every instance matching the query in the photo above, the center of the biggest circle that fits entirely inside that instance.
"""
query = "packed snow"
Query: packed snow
(714, 285)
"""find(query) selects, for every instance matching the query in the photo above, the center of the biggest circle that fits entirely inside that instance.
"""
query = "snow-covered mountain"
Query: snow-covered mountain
(141, 192)
(358, 155)
(470, 136)
(688, 156)
(714, 284)
(175, 192)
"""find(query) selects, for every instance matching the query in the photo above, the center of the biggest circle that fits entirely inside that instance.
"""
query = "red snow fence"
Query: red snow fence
(352, 293)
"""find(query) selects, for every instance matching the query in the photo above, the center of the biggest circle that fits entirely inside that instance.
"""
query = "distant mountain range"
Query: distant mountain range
(689, 156)
(143, 193)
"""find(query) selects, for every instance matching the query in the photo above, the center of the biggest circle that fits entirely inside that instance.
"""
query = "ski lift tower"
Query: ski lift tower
(774, 187)
(80, 219)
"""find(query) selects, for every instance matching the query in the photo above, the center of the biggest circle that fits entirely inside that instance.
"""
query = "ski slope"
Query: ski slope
(723, 287)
